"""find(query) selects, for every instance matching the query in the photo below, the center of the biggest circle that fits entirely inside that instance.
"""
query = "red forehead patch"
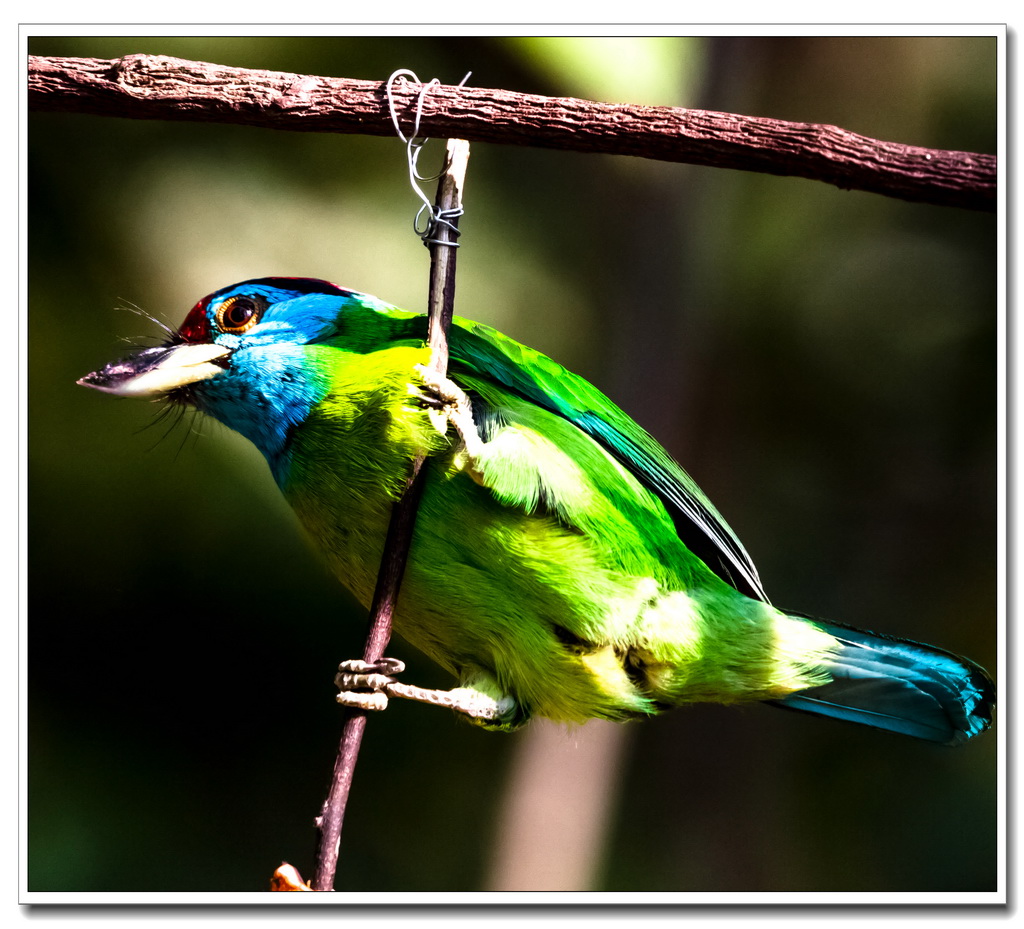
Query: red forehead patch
(196, 327)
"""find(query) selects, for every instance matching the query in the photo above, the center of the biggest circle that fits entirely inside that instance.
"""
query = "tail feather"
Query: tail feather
(901, 686)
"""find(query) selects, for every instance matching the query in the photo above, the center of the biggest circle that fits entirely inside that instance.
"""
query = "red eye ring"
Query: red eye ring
(238, 314)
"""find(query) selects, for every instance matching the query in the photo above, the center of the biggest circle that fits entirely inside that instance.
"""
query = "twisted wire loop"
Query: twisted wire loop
(435, 218)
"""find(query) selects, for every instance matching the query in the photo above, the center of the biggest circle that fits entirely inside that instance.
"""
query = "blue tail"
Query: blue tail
(901, 686)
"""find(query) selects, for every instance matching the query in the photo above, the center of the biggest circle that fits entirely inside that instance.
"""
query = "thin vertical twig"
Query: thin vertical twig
(399, 537)
(442, 259)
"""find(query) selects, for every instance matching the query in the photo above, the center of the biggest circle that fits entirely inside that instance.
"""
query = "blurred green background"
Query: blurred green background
(822, 362)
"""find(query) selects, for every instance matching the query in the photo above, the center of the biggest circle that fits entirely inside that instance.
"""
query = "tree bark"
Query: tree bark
(159, 87)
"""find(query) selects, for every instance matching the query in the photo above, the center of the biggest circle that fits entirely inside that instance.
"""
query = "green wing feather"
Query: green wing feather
(534, 376)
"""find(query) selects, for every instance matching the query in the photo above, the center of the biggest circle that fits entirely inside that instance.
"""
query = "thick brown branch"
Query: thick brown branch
(157, 87)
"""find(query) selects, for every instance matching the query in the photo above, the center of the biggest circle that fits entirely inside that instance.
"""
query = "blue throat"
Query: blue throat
(267, 391)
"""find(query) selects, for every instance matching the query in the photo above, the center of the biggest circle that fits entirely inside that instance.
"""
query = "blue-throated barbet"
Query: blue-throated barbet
(562, 564)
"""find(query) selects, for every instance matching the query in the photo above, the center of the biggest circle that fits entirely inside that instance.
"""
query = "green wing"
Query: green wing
(479, 349)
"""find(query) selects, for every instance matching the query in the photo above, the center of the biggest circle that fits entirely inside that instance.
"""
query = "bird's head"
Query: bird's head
(241, 355)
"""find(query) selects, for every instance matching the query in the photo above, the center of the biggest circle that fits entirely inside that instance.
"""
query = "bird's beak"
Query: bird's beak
(156, 371)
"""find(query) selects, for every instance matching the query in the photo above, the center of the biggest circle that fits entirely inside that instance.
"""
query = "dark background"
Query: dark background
(822, 362)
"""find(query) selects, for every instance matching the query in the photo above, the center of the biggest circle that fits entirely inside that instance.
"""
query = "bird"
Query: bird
(562, 564)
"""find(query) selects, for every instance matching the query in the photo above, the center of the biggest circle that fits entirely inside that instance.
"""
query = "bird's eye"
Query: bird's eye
(238, 314)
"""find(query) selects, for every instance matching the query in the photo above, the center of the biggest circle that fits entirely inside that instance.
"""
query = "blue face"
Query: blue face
(271, 379)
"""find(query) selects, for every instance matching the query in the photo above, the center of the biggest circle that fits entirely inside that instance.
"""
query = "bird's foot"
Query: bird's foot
(363, 684)
(368, 685)
(448, 405)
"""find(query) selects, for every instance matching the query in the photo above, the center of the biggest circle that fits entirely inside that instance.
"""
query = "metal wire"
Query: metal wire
(436, 218)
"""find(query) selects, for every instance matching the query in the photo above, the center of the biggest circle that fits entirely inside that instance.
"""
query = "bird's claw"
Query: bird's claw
(447, 405)
(367, 685)
(363, 684)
